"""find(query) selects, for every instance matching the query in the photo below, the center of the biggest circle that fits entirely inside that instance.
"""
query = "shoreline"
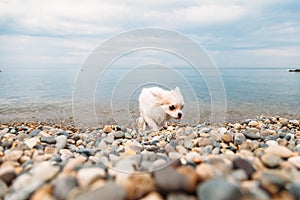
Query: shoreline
(255, 158)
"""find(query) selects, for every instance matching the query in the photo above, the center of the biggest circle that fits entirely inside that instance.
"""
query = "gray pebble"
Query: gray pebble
(218, 189)
(108, 191)
(239, 138)
(119, 134)
(48, 140)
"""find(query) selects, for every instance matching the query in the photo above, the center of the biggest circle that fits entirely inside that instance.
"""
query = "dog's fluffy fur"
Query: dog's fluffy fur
(157, 106)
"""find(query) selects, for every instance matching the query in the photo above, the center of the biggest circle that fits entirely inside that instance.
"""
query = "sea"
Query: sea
(47, 94)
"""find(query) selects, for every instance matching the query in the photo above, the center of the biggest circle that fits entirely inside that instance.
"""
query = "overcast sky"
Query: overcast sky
(253, 33)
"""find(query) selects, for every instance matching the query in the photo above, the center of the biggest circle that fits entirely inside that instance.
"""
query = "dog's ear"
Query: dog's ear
(177, 90)
(158, 97)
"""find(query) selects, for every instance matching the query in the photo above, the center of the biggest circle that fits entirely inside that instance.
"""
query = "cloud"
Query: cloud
(34, 32)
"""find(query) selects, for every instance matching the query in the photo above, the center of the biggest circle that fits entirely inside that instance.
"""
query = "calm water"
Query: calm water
(45, 94)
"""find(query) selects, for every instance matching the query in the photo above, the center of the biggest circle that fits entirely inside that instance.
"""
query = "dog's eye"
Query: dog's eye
(172, 107)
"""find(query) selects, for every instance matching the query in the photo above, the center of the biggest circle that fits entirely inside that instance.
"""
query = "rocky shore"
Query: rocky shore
(253, 159)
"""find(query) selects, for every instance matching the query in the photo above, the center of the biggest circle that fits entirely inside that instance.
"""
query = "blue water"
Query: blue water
(35, 94)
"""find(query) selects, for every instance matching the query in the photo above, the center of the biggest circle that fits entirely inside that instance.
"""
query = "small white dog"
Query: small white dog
(157, 106)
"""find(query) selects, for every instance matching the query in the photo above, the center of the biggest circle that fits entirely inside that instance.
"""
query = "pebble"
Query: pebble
(7, 174)
(86, 176)
(218, 189)
(61, 141)
(108, 191)
(255, 159)
(272, 181)
(13, 155)
(245, 165)
(188, 144)
(281, 151)
(48, 140)
(138, 185)
(32, 142)
(168, 179)
(119, 134)
(295, 161)
(294, 189)
(3, 188)
(271, 160)
(239, 139)
(252, 135)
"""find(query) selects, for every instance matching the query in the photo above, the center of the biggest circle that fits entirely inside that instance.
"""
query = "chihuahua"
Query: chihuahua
(157, 106)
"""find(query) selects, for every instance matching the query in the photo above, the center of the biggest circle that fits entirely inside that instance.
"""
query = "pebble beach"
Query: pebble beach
(253, 159)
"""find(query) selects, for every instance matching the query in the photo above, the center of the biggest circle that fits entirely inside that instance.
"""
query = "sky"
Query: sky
(235, 33)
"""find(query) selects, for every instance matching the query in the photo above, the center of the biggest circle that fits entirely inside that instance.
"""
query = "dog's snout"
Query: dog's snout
(179, 115)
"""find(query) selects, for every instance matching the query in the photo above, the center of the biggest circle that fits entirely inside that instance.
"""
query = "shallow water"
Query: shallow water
(46, 94)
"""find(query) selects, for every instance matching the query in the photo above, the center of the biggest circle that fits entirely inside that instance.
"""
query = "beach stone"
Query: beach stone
(294, 189)
(25, 192)
(4, 131)
(272, 143)
(271, 160)
(253, 123)
(190, 178)
(119, 134)
(188, 144)
(7, 174)
(44, 171)
(248, 145)
(245, 165)
(138, 185)
(252, 135)
(50, 150)
(72, 164)
(21, 181)
(136, 146)
(239, 138)
(61, 141)
(218, 189)
(63, 186)
(272, 181)
(86, 151)
(13, 155)
(281, 151)
(43, 193)
(35, 132)
(48, 140)
(168, 179)
(178, 196)
(295, 161)
(86, 176)
(109, 191)
(3, 188)
(153, 196)
(128, 135)
(227, 138)
(31, 142)
(253, 191)
(107, 129)
(205, 142)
